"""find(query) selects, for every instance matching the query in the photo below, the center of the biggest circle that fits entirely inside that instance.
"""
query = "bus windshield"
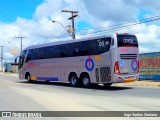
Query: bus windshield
(127, 40)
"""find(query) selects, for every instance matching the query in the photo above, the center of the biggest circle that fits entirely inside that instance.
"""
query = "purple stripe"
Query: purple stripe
(48, 78)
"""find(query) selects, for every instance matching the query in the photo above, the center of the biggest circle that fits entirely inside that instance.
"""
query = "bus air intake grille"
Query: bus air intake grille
(128, 56)
(105, 74)
(97, 74)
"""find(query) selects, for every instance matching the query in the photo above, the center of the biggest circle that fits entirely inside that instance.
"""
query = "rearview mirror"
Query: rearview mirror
(15, 61)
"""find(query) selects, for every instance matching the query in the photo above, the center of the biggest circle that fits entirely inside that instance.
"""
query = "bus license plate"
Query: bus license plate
(130, 78)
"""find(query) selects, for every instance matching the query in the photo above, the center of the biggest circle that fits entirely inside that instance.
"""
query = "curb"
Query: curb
(11, 74)
(147, 83)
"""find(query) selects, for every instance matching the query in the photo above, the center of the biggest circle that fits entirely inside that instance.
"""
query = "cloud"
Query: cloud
(110, 10)
(149, 4)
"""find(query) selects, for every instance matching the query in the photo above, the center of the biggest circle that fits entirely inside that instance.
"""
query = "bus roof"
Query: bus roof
(66, 41)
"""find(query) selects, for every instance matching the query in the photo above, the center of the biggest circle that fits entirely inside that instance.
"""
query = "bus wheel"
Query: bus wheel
(28, 77)
(86, 81)
(107, 84)
(73, 80)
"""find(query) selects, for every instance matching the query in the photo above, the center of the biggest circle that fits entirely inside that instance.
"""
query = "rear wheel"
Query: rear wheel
(86, 81)
(107, 84)
(73, 80)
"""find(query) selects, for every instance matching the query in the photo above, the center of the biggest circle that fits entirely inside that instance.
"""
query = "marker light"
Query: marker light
(116, 68)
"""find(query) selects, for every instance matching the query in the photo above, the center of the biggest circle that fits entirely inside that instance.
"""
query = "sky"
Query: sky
(32, 19)
(11, 9)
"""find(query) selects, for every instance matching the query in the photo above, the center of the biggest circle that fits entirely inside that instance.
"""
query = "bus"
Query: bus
(103, 60)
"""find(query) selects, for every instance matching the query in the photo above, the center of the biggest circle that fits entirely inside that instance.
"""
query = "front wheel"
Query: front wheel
(86, 81)
(29, 78)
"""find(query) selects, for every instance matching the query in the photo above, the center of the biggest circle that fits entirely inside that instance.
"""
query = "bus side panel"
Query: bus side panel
(114, 59)
(30, 68)
(21, 76)
(102, 63)
(48, 69)
(66, 66)
(102, 71)
(65, 71)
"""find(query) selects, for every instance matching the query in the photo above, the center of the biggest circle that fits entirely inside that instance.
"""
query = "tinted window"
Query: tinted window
(103, 45)
(70, 49)
(92, 47)
(51, 52)
(83, 48)
(61, 51)
(42, 53)
(127, 40)
(32, 55)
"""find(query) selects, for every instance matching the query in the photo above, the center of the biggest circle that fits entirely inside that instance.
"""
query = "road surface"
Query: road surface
(18, 95)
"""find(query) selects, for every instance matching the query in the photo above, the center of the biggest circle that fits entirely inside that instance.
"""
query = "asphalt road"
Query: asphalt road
(18, 95)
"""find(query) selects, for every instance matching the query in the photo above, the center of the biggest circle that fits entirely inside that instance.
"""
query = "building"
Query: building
(149, 66)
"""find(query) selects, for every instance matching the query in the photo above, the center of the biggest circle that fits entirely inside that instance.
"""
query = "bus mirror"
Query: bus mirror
(15, 61)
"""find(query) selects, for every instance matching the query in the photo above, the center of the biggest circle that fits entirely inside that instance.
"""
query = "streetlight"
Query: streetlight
(62, 26)
(14, 44)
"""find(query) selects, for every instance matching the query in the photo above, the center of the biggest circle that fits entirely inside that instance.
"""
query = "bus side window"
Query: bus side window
(51, 52)
(85, 48)
(39, 54)
(62, 51)
(76, 49)
(92, 48)
(29, 56)
(70, 49)
(57, 52)
(28, 59)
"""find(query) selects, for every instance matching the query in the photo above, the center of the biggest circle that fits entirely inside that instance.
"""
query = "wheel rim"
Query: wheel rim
(86, 81)
(73, 80)
(28, 78)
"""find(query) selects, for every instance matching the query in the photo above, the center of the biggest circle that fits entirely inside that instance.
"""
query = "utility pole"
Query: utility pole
(2, 58)
(74, 15)
(21, 41)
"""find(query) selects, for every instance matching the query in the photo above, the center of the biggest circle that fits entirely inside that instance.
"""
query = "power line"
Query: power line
(61, 36)
(108, 29)
(123, 26)
(127, 22)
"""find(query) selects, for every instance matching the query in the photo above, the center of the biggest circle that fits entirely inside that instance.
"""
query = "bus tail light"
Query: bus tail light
(116, 68)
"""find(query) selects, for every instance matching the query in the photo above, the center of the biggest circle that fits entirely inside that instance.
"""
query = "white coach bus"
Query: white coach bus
(100, 60)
